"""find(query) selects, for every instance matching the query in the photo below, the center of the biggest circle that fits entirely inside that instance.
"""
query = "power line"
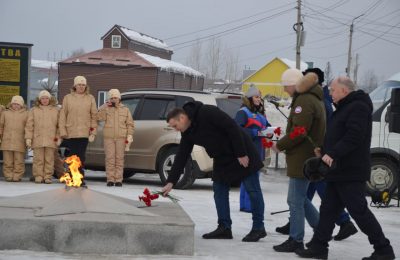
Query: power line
(329, 8)
(365, 19)
(378, 37)
(229, 31)
(226, 23)
(364, 45)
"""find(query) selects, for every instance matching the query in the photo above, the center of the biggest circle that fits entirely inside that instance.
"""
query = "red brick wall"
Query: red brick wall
(165, 79)
(103, 78)
(182, 82)
(197, 83)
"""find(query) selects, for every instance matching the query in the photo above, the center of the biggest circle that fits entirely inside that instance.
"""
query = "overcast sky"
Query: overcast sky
(59, 27)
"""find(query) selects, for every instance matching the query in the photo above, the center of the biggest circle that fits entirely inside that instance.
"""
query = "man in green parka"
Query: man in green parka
(308, 111)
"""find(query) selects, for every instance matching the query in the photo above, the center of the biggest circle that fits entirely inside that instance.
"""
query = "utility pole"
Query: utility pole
(350, 43)
(356, 70)
(299, 27)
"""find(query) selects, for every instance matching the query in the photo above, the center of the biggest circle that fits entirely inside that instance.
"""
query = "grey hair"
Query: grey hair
(346, 81)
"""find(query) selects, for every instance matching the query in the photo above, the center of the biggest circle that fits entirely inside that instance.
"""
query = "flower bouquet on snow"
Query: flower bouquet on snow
(148, 196)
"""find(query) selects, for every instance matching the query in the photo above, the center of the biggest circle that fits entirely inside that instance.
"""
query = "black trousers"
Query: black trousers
(76, 146)
(349, 195)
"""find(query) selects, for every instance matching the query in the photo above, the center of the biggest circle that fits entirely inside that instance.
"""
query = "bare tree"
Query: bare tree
(213, 58)
(231, 59)
(195, 56)
(77, 52)
(369, 81)
(50, 84)
(328, 73)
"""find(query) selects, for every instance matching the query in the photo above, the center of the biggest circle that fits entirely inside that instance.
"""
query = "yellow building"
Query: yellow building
(268, 78)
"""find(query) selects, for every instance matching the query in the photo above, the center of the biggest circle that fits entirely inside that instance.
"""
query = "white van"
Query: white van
(385, 146)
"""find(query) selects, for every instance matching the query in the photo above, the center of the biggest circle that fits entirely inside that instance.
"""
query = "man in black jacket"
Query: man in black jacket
(346, 150)
(235, 159)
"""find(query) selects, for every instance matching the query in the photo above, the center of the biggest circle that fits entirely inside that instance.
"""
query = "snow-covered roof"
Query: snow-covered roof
(44, 64)
(143, 38)
(395, 77)
(292, 64)
(169, 65)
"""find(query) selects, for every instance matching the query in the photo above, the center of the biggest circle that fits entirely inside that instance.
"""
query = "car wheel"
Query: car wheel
(164, 167)
(128, 174)
(384, 175)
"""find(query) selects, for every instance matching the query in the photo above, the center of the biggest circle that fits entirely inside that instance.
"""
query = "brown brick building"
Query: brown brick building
(128, 60)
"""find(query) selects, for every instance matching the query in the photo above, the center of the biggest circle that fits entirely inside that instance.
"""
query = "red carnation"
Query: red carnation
(55, 139)
(126, 142)
(278, 131)
(266, 143)
(146, 192)
(149, 196)
(298, 131)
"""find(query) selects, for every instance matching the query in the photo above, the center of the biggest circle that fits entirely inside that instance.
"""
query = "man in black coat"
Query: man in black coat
(235, 159)
(346, 150)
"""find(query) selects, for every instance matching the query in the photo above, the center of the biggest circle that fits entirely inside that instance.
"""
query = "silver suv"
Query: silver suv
(154, 143)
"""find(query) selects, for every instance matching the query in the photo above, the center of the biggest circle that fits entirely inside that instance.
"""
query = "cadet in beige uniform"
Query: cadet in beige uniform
(118, 131)
(41, 133)
(78, 119)
(12, 128)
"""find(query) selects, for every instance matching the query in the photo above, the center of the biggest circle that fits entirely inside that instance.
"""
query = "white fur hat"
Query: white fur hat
(44, 93)
(79, 80)
(114, 93)
(291, 77)
(17, 100)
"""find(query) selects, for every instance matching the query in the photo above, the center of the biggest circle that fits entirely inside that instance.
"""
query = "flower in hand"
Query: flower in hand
(148, 196)
(278, 131)
(301, 131)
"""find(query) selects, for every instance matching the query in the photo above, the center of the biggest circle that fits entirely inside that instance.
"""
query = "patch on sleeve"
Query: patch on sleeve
(298, 110)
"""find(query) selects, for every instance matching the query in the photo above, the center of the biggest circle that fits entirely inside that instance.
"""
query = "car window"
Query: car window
(182, 100)
(381, 94)
(131, 103)
(156, 108)
(229, 105)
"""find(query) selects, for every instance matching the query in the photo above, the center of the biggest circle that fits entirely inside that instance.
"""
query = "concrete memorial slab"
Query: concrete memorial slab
(83, 221)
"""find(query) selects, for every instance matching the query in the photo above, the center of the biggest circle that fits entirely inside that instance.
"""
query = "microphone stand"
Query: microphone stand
(277, 107)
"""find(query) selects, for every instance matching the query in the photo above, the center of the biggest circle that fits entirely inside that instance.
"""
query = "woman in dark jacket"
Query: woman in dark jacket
(235, 159)
(251, 117)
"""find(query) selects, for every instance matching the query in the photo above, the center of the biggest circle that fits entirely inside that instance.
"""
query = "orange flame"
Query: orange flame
(74, 164)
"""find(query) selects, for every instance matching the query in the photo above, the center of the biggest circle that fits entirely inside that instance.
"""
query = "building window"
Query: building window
(116, 41)
(101, 98)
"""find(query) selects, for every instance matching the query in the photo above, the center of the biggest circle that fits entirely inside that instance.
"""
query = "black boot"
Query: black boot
(220, 233)
(313, 252)
(346, 229)
(118, 184)
(255, 235)
(385, 253)
(110, 184)
(289, 246)
(284, 229)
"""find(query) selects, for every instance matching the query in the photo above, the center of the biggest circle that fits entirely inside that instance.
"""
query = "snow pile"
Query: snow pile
(169, 65)
(143, 38)
(44, 64)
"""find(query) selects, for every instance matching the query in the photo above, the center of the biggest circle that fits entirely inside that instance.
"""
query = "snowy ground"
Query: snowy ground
(198, 203)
